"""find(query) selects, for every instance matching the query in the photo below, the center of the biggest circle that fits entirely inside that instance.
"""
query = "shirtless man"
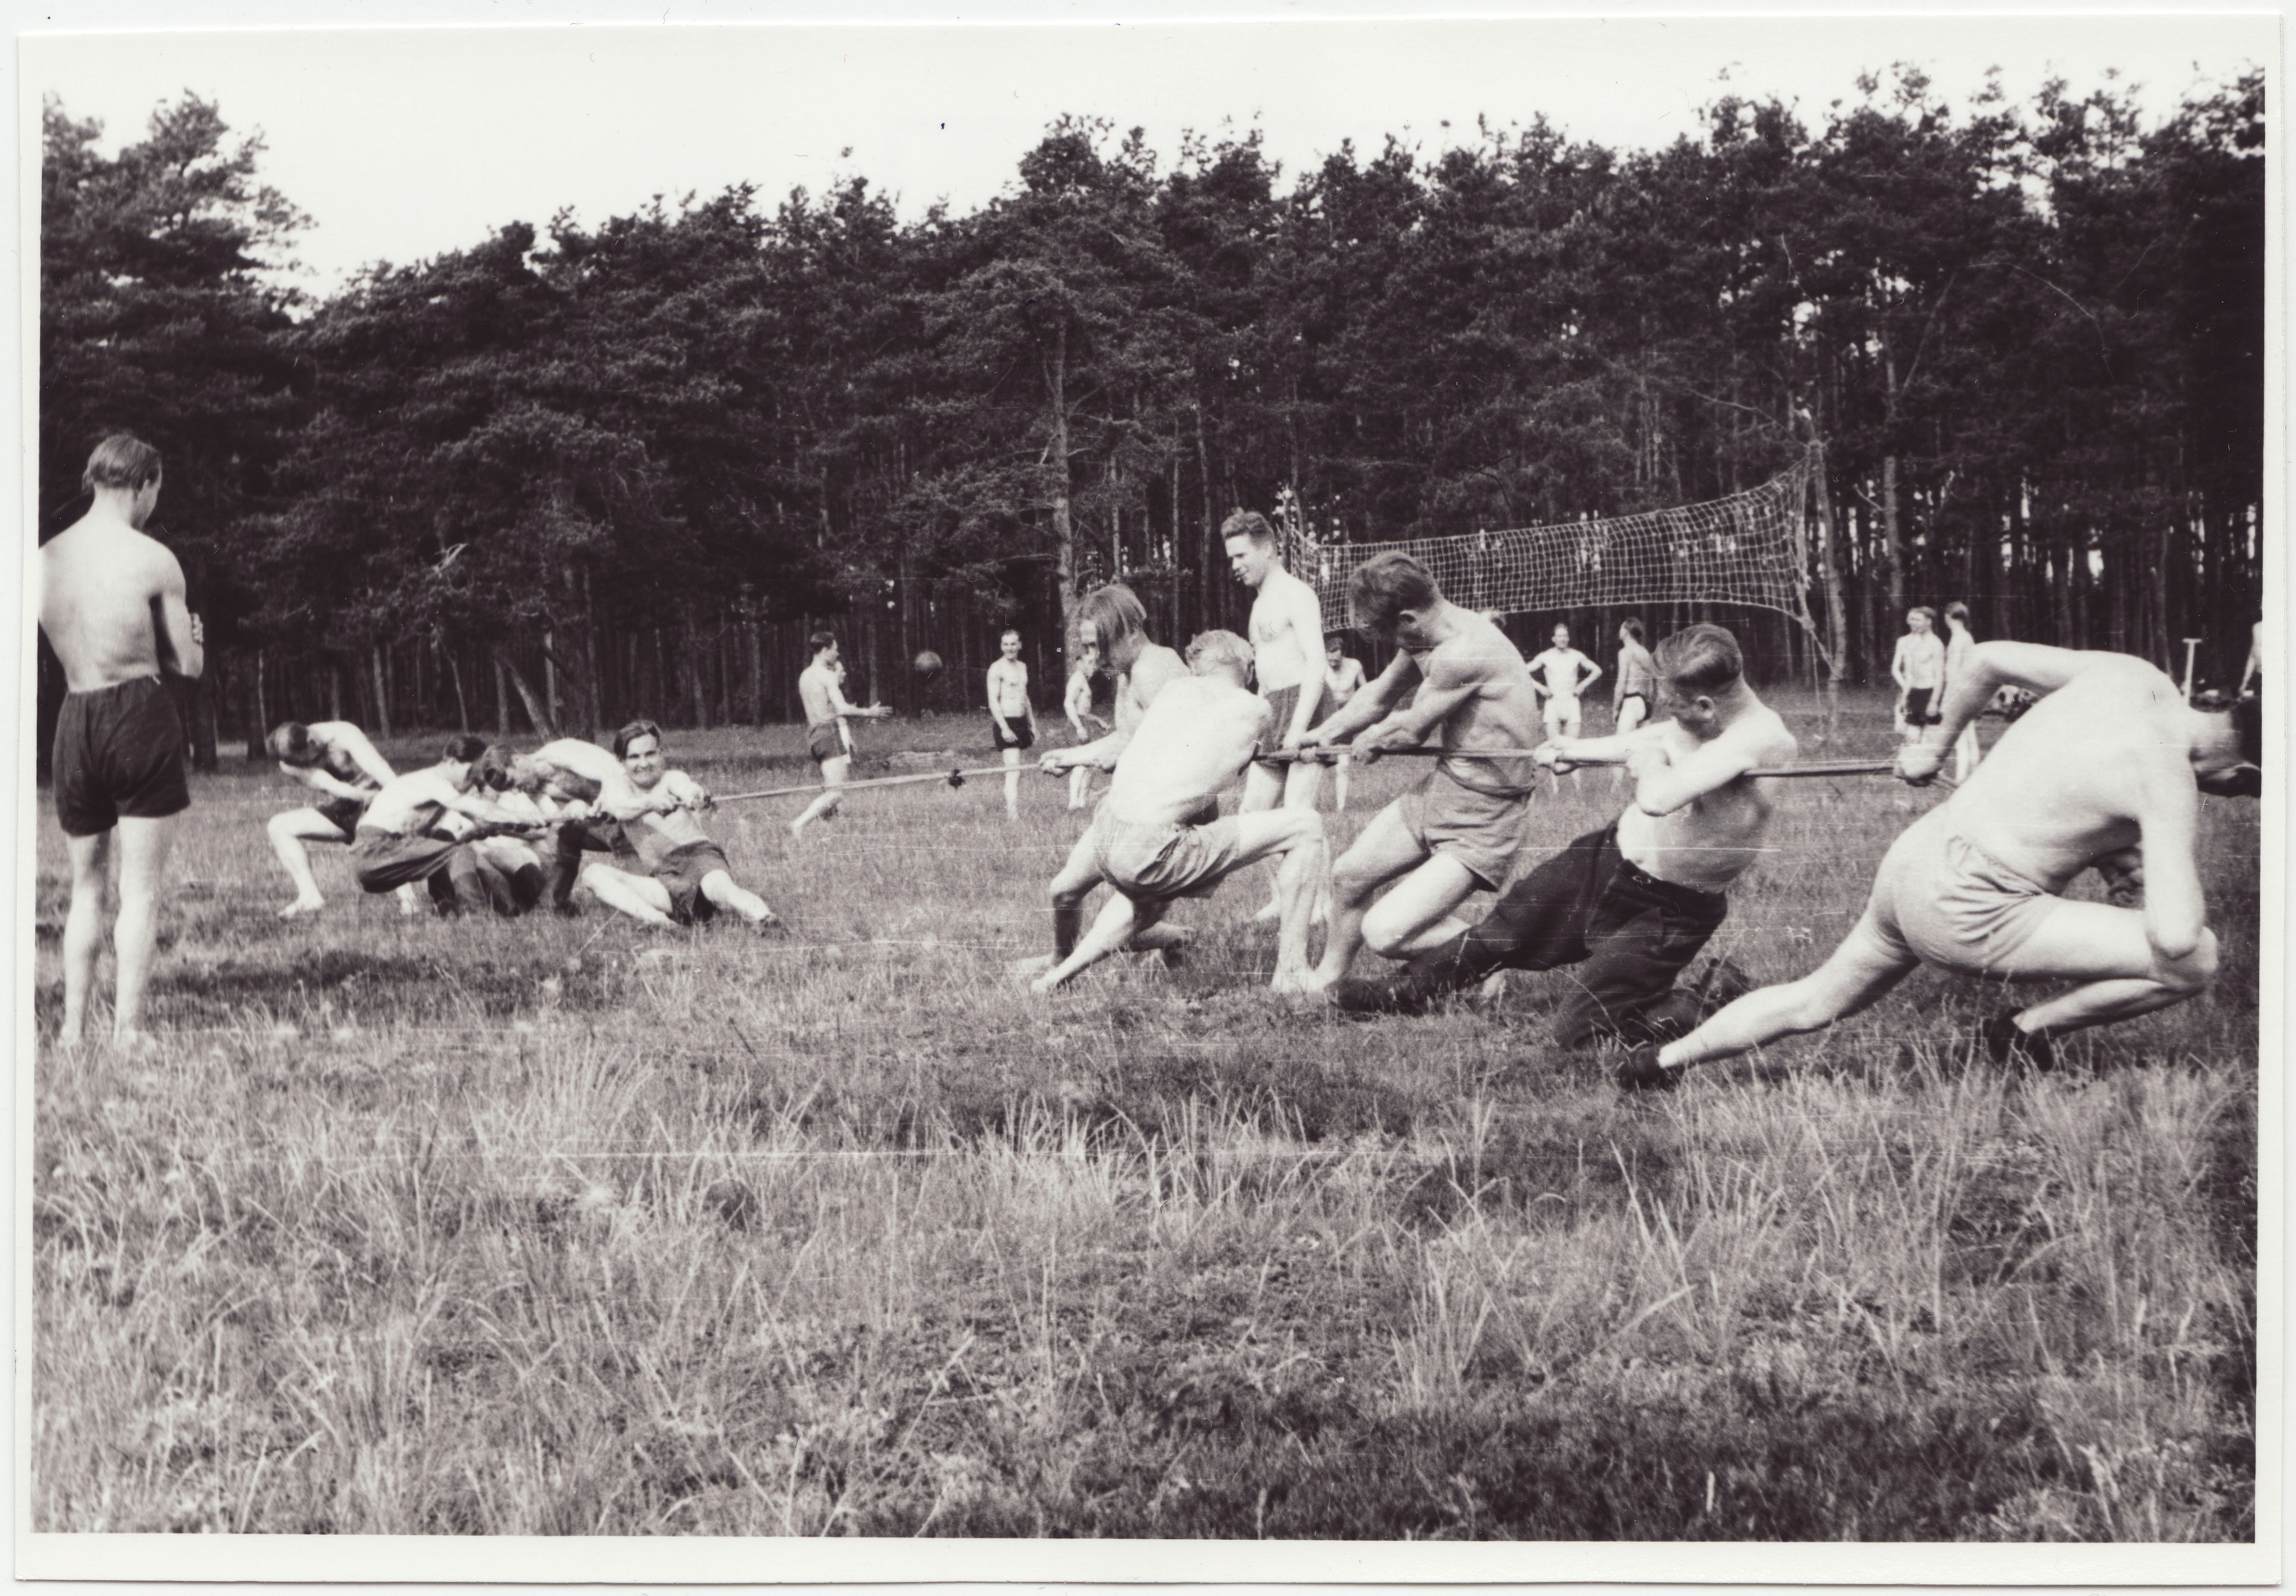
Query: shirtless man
(1918, 668)
(1148, 840)
(335, 759)
(2250, 671)
(1077, 705)
(1563, 673)
(819, 688)
(1011, 717)
(112, 605)
(397, 846)
(671, 874)
(2106, 769)
(1634, 689)
(1287, 632)
(1111, 621)
(1343, 678)
(1959, 641)
(1458, 829)
(1631, 904)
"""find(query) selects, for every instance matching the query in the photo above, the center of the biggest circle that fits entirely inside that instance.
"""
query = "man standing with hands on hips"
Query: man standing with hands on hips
(112, 607)
(1287, 663)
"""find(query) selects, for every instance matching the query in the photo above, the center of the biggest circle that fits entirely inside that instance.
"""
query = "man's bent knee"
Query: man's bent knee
(2195, 972)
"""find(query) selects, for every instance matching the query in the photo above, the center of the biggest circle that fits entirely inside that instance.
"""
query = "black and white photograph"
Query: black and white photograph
(1074, 778)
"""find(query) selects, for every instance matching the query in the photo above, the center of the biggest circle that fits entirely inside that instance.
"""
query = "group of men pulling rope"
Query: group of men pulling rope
(2105, 771)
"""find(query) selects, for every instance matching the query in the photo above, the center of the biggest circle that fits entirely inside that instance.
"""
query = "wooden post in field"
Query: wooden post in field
(2190, 645)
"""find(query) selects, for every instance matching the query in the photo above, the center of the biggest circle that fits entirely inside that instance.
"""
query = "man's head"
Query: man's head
(124, 464)
(1630, 630)
(638, 746)
(291, 742)
(1701, 675)
(1391, 594)
(1009, 643)
(1113, 619)
(1217, 653)
(2228, 761)
(1335, 648)
(1920, 618)
(1251, 550)
(825, 646)
(466, 759)
(1561, 636)
(1957, 614)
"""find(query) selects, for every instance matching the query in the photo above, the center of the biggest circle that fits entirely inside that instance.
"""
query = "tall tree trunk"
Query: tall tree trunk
(549, 686)
(334, 687)
(537, 708)
(502, 694)
(455, 675)
(259, 709)
(590, 660)
(1837, 616)
(1056, 383)
(382, 692)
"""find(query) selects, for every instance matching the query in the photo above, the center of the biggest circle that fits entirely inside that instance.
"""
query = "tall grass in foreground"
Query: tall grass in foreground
(564, 1228)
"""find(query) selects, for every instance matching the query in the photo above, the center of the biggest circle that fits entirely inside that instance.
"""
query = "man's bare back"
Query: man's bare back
(1192, 740)
(112, 604)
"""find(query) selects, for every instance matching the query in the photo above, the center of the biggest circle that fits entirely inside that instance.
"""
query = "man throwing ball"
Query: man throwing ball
(819, 687)
(1630, 906)
(112, 607)
(1457, 830)
(1146, 841)
(2106, 768)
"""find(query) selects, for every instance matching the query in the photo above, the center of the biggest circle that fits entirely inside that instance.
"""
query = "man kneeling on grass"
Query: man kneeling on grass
(1631, 905)
(671, 873)
(2106, 770)
(1197, 737)
(395, 848)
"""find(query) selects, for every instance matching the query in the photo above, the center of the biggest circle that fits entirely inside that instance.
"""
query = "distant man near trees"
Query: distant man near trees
(1343, 678)
(2105, 769)
(1630, 906)
(1113, 621)
(1011, 717)
(826, 711)
(336, 761)
(1287, 655)
(1633, 689)
(1077, 705)
(112, 607)
(672, 873)
(1959, 641)
(1918, 668)
(397, 844)
(1149, 840)
(1563, 673)
(1458, 829)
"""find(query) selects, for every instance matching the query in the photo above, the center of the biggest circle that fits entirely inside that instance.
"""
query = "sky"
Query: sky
(401, 143)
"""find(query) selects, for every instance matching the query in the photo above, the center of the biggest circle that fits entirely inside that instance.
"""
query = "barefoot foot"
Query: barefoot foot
(314, 903)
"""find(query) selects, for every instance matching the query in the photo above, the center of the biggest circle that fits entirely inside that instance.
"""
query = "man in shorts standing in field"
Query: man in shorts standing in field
(1149, 840)
(1633, 689)
(112, 607)
(2105, 769)
(1113, 621)
(397, 844)
(1077, 705)
(1959, 641)
(1343, 678)
(1287, 655)
(1458, 829)
(1011, 717)
(671, 874)
(1918, 668)
(335, 759)
(826, 714)
(1630, 906)
(1563, 673)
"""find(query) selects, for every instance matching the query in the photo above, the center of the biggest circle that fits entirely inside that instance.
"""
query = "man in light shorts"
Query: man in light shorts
(1959, 641)
(1146, 841)
(669, 873)
(1563, 673)
(335, 759)
(1457, 832)
(1918, 668)
(1287, 662)
(2106, 769)
(1011, 716)
(826, 711)
(1077, 705)
(1343, 678)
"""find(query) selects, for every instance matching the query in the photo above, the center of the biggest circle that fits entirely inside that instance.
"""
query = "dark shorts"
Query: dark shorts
(1634, 697)
(681, 871)
(1284, 702)
(119, 751)
(824, 743)
(1917, 707)
(1011, 730)
(1629, 933)
(387, 861)
(343, 813)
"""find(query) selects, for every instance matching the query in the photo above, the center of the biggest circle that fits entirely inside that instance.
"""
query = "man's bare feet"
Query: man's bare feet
(313, 904)
(1269, 913)
(1024, 970)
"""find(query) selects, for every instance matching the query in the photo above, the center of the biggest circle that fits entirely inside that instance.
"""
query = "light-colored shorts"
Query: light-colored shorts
(1947, 901)
(1153, 864)
(1562, 716)
(1480, 830)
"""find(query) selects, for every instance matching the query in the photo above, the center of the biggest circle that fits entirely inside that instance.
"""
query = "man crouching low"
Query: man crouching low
(1196, 739)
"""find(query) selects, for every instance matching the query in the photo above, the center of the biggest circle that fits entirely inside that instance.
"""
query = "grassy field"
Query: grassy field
(565, 1227)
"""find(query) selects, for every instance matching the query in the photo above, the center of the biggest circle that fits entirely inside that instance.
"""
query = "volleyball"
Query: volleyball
(927, 665)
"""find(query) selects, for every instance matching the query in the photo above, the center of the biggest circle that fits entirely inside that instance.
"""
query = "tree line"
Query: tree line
(572, 473)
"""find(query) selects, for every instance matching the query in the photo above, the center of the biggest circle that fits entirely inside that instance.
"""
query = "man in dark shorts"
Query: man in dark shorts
(667, 872)
(335, 759)
(827, 710)
(397, 844)
(1012, 715)
(112, 607)
(1631, 905)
